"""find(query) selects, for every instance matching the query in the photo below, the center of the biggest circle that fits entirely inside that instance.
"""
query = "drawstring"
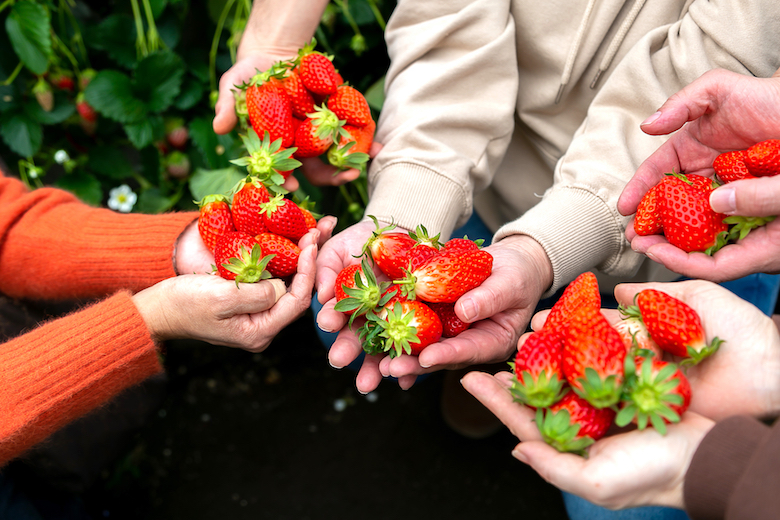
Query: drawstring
(611, 50)
(614, 45)
(574, 50)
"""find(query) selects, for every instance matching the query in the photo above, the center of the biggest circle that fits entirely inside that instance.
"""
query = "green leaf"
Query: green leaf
(110, 92)
(84, 186)
(110, 162)
(191, 92)
(116, 36)
(8, 98)
(206, 141)
(375, 94)
(158, 80)
(29, 28)
(21, 133)
(154, 201)
(209, 182)
(63, 109)
(158, 6)
(146, 132)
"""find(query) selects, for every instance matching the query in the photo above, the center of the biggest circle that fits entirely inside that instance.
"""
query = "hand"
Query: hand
(629, 469)
(726, 111)
(211, 309)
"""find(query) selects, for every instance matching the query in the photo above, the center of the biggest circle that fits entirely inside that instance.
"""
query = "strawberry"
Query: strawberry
(593, 354)
(300, 98)
(656, 391)
(44, 95)
(86, 77)
(357, 290)
(285, 261)
(177, 164)
(447, 276)
(572, 424)
(248, 196)
(583, 291)
(269, 109)
(176, 134)
(351, 106)
(317, 133)
(267, 161)
(451, 324)
(317, 71)
(351, 150)
(687, 219)
(389, 249)
(674, 326)
(418, 255)
(408, 328)
(647, 220)
(730, 166)
(539, 381)
(635, 335)
(238, 257)
(309, 218)
(462, 244)
(215, 219)
(763, 159)
(62, 80)
(85, 110)
(284, 217)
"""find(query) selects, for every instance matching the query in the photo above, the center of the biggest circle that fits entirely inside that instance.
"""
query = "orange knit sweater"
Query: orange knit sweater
(54, 247)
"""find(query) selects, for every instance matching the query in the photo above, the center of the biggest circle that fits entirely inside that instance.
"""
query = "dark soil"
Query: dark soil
(234, 435)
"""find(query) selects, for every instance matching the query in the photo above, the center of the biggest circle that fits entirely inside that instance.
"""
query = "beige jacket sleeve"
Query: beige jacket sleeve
(448, 118)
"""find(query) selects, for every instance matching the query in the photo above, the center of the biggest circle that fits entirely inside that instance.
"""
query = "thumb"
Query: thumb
(257, 297)
(748, 197)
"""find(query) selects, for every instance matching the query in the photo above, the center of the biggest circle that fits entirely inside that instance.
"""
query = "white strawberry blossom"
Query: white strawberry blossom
(61, 156)
(122, 199)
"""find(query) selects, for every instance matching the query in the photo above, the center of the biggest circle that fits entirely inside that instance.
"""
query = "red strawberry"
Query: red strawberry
(583, 291)
(308, 216)
(539, 380)
(418, 255)
(238, 257)
(249, 195)
(176, 133)
(447, 276)
(284, 217)
(301, 99)
(62, 80)
(389, 249)
(315, 135)
(85, 110)
(285, 262)
(730, 166)
(656, 391)
(572, 424)
(763, 159)
(647, 220)
(350, 105)
(593, 354)
(215, 219)
(408, 328)
(451, 324)
(674, 326)
(353, 146)
(686, 216)
(317, 71)
(357, 290)
(462, 244)
(267, 161)
(269, 110)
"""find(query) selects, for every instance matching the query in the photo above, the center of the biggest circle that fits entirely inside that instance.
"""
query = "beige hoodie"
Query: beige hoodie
(529, 111)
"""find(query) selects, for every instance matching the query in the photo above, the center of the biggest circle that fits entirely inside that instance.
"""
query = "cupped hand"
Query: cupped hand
(211, 309)
(743, 376)
(629, 469)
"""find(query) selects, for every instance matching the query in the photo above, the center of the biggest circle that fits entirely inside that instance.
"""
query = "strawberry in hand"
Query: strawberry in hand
(248, 196)
(539, 381)
(284, 217)
(406, 328)
(239, 257)
(215, 219)
(447, 276)
(357, 290)
(572, 424)
(317, 71)
(267, 161)
(285, 254)
(268, 106)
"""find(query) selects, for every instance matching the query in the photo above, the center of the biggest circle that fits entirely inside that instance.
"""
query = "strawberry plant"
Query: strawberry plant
(99, 95)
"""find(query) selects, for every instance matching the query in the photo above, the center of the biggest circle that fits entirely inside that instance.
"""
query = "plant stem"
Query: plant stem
(140, 38)
(215, 45)
(13, 75)
(5, 4)
(377, 14)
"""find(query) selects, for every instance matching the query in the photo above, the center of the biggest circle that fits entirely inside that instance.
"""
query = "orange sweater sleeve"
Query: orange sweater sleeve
(62, 369)
(52, 246)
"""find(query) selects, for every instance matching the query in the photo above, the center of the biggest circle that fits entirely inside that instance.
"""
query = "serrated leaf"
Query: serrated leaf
(140, 134)
(116, 36)
(154, 201)
(110, 92)
(85, 186)
(63, 109)
(207, 182)
(109, 161)
(157, 80)
(375, 94)
(191, 92)
(206, 141)
(21, 133)
(29, 28)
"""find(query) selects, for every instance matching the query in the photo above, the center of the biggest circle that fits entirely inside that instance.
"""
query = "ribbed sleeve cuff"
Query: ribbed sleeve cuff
(718, 465)
(410, 194)
(65, 368)
(578, 231)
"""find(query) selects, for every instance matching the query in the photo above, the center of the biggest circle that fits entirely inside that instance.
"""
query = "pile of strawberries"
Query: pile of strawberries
(253, 232)
(582, 374)
(306, 104)
(678, 207)
(412, 305)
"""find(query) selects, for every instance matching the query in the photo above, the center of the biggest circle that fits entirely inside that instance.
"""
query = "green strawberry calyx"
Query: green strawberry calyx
(540, 392)
(558, 431)
(266, 159)
(647, 397)
(248, 266)
(397, 331)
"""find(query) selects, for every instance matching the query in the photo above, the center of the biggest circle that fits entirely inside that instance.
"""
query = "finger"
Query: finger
(537, 322)
(494, 395)
(755, 197)
(730, 263)
(291, 184)
(303, 282)
(406, 382)
(484, 342)
(252, 298)
(374, 149)
(401, 366)
(345, 349)
(563, 470)
(649, 173)
(326, 225)
(317, 172)
(368, 377)
(329, 319)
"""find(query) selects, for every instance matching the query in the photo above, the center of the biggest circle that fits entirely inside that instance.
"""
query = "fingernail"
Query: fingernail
(519, 455)
(334, 366)
(469, 309)
(724, 200)
(650, 120)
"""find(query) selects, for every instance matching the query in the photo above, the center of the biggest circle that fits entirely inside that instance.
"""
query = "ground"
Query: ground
(230, 434)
